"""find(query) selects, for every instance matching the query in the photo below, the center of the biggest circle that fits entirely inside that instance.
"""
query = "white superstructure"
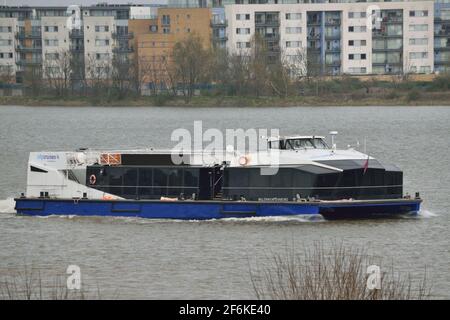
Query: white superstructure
(63, 174)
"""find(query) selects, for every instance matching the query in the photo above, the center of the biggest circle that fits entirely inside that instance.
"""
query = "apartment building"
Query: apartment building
(442, 36)
(155, 39)
(36, 39)
(8, 30)
(323, 36)
(339, 38)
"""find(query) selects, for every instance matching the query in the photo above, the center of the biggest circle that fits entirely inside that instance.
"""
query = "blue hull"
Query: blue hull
(201, 210)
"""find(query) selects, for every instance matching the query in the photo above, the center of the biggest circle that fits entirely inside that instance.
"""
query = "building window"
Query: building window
(52, 56)
(357, 29)
(101, 56)
(356, 15)
(418, 13)
(51, 42)
(418, 41)
(357, 70)
(357, 43)
(293, 44)
(5, 42)
(242, 16)
(166, 30)
(425, 69)
(153, 28)
(293, 16)
(418, 27)
(101, 28)
(5, 29)
(242, 45)
(165, 20)
(101, 42)
(51, 28)
(6, 55)
(357, 56)
(242, 30)
(293, 30)
(418, 55)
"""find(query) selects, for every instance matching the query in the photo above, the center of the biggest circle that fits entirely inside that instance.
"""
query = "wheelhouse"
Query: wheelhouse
(297, 143)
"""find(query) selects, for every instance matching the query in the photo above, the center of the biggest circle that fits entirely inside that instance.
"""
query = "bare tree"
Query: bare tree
(7, 74)
(98, 75)
(259, 64)
(190, 61)
(32, 78)
(57, 69)
(122, 75)
(239, 73)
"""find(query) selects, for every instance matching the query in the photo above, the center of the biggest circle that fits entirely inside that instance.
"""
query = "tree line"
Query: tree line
(190, 68)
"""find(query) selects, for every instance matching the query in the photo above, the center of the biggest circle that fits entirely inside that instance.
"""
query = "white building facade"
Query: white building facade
(8, 43)
(340, 38)
(98, 45)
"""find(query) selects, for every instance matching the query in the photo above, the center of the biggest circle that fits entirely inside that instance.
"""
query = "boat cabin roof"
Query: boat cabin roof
(297, 142)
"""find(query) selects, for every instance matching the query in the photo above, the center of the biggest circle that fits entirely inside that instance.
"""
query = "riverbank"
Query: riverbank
(408, 98)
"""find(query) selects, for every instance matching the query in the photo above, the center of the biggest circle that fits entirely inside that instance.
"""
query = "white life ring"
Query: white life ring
(92, 179)
(244, 160)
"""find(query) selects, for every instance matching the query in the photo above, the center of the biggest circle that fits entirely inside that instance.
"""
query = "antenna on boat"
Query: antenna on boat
(333, 134)
(365, 145)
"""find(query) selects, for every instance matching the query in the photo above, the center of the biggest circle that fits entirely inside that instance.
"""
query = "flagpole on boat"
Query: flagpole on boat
(365, 145)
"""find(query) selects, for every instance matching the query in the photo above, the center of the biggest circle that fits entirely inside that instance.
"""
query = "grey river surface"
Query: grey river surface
(138, 258)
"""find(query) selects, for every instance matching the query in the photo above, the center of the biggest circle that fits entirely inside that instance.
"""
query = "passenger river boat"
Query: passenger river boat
(310, 178)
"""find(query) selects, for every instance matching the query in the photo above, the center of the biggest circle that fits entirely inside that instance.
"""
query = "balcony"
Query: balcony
(442, 33)
(219, 23)
(123, 50)
(123, 35)
(313, 36)
(333, 49)
(77, 49)
(387, 49)
(333, 36)
(313, 22)
(385, 62)
(21, 48)
(28, 35)
(392, 19)
(381, 34)
(333, 22)
(220, 38)
(335, 63)
(33, 62)
(76, 34)
(267, 22)
(271, 36)
(441, 62)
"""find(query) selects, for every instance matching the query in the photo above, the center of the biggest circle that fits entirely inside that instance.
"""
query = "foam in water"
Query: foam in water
(427, 214)
(7, 206)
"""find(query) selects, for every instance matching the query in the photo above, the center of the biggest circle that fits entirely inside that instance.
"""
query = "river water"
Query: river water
(137, 258)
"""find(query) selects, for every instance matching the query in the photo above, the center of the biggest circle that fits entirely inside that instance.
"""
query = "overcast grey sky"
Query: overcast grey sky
(68, 2)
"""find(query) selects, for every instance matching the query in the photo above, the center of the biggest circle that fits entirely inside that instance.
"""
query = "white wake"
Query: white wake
(427, 214)
(7, 206)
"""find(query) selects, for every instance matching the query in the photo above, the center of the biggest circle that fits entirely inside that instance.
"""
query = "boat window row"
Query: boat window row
(144, 182)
